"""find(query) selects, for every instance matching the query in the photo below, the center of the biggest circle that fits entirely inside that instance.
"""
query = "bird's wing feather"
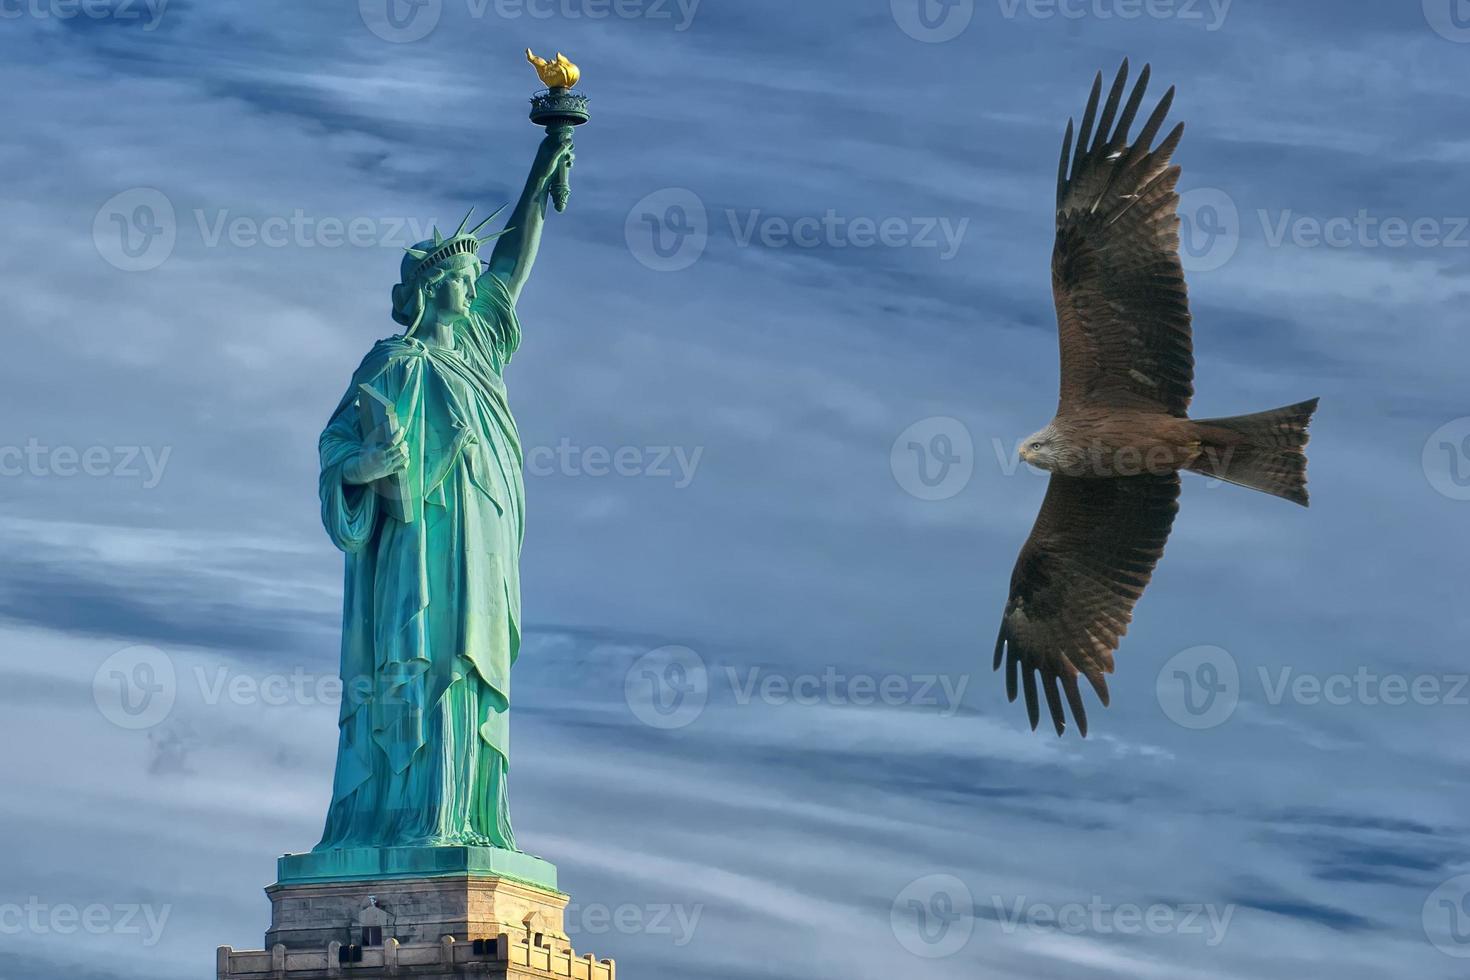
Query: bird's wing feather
(1122, 306)
(1088, 559)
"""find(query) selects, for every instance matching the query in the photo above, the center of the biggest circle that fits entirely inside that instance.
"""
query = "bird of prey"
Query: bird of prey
(1121, 432)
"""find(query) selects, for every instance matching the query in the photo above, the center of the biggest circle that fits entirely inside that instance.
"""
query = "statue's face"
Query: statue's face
(456, 291)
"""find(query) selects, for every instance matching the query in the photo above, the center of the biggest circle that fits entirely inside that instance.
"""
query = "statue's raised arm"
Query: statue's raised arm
(515, 250)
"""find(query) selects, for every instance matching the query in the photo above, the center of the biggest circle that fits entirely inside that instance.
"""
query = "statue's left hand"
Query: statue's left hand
(549, 156)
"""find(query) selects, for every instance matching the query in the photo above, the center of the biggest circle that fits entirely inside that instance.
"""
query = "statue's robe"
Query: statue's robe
(432, 608)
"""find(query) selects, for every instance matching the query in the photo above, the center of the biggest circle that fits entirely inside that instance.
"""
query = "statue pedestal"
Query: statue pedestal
(422, 912)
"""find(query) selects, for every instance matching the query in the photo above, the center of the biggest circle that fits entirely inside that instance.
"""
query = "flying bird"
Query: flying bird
(1121, 432)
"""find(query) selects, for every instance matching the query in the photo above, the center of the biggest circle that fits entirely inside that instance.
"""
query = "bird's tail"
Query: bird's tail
(1261, 451)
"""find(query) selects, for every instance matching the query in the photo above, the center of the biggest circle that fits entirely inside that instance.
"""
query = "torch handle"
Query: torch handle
(561, 186)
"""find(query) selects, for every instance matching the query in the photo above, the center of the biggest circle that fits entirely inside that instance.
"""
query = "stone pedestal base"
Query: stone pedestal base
(448, 959)
(414, 910)
(440, 913)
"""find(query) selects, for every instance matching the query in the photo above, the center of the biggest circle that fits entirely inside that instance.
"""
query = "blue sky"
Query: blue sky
(801, 237)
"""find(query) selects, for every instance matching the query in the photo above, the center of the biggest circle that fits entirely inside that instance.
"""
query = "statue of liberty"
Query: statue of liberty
(429, 508)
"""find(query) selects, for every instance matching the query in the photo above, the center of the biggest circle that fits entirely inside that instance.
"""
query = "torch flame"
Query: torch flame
(559, 73)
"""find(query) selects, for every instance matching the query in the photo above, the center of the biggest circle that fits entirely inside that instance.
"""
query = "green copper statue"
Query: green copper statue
(421, 488)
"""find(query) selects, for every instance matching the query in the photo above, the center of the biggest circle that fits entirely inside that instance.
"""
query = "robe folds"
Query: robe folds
(431, 608)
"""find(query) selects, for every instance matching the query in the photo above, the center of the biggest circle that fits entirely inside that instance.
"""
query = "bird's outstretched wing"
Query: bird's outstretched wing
(1122, 307)
(1089, 556)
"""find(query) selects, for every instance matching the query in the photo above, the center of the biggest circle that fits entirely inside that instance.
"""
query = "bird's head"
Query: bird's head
(1043, 450)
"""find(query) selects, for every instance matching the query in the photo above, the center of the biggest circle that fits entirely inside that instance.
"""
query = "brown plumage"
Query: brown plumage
(1121, 432)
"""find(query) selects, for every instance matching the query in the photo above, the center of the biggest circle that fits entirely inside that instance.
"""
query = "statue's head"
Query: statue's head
(437, 276)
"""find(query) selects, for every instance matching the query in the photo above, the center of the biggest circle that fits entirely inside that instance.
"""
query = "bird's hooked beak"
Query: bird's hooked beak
(1025, 453)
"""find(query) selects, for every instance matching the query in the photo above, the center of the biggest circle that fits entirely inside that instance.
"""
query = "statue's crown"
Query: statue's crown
(441, 249)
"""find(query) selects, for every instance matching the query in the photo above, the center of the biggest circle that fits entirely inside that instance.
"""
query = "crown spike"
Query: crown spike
(494, 235)
(476, 230)
(417, 253)
(438, 238)
(466, 220)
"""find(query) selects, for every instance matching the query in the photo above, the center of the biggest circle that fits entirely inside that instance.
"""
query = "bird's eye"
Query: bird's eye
(1036, 445)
